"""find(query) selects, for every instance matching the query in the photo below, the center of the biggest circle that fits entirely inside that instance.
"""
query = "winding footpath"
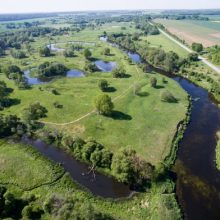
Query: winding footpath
(204, 60)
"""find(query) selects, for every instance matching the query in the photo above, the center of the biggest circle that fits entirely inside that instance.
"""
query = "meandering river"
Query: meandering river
(198, 180)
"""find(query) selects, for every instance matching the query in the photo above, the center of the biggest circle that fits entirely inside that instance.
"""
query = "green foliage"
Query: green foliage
(34, 112)
(103, 85)
(119, 72)
(193, 57)
(44, 52)
(127, 167)
(197, 47)
(10, 125)
(47, 69)
(217, 152)
(104, 105)
(107, 51)
(90, 67)
(153, 82)
(87, 53)
(68, 53)
(167, 96)
(18, 54)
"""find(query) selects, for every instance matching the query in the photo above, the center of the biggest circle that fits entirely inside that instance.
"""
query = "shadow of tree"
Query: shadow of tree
(159, 87)
(142, 94)
(117, 115)
(110, 89)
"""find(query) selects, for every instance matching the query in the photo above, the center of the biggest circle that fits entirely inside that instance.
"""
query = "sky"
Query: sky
(20, 6)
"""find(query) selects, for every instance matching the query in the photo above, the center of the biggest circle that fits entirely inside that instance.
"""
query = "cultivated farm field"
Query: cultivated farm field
(205, 32)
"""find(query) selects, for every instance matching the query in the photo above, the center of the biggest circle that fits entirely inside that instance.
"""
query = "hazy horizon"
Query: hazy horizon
(37, 6)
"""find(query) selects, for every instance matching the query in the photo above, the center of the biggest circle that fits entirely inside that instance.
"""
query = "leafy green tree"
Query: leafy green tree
(167, 96)
(103, 85)
(87, 53)
(197, 47)
(119, 73)
(68, 53)
(193, 57)
(34, 112)
(104, 105)
(44, 52)
(153, 82)
(107, 51)
(90, 67)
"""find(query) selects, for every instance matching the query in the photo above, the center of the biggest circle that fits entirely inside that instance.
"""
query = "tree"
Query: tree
(3, 90)
(44, 52)
(119, 73)
(103, 85)
(153, 82)
(34, 112)
(193, 57)
(197, 47)
(68, 53)
(90, 67)
(107, 51)
(104, 105)
(167, 96)
(87, 53)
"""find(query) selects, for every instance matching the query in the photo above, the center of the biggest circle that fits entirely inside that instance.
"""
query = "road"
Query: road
(204, 60)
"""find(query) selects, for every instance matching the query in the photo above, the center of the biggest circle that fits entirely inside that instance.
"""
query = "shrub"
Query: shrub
(119, 73)
(103, 85)
(167, 96)
(153, 82)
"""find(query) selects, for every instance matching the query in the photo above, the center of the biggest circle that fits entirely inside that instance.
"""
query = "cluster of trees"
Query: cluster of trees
(48, 69)
(56, 206)
(214, 54)
(13, 72)
(18, 54)
(15, 207)
(125, 165)
(169, 61)
(147, 29)
(72, 207)
(10, 125)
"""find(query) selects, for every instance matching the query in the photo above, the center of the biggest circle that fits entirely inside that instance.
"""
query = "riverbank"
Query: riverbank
(217, 151)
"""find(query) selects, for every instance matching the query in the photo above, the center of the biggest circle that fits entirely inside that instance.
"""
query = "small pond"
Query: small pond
(105, 66)
(95, 182)
(134, 57)
(74, 73)
(36, 81)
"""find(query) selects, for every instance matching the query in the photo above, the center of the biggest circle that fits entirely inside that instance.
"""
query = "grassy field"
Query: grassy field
(154, 121)
(163, 42)
(22, 168)
(205, 32)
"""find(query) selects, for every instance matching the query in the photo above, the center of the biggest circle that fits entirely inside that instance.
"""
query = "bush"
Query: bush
(153, 82)
(87, 53)
(119, 73)
(103, 85)
(197, 47)
(167, 96)
(44, 52)
(90, 67)
(107, 51)
(104, 105)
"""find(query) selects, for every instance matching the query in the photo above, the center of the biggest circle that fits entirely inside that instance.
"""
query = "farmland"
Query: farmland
(205, 32)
